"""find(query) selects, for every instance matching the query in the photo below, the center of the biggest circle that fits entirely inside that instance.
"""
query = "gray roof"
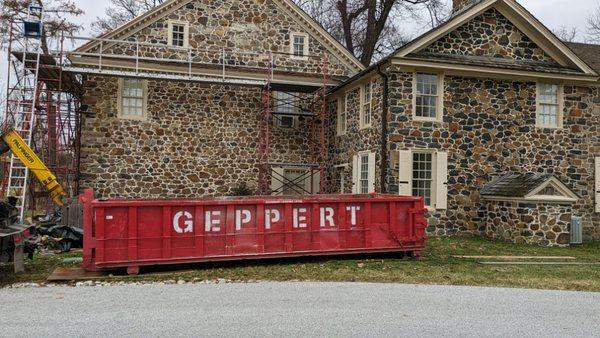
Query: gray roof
(514, 184)
(589, 53)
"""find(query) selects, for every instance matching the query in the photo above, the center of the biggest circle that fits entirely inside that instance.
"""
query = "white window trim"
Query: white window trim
(439, 111)
(356, 167)
(342, 102)
(361, 123)
(277, 120)
(433, 153)
(439, 178)
(277, 117)
(306, 45)
(561, 106)
(144, 102)
(342, 169)
(186, 33)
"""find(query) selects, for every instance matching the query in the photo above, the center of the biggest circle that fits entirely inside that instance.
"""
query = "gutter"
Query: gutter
(384, 126)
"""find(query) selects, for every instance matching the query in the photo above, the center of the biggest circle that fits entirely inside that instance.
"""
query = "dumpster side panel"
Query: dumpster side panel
(132, 233)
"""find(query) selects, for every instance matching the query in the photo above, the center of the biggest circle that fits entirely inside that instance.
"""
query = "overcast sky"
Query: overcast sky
(553, 13)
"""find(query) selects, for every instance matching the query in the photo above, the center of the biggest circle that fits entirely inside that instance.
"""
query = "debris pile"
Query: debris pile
(51, 235)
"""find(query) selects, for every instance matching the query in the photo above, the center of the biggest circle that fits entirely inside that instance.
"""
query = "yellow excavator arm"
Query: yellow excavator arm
(11, 140)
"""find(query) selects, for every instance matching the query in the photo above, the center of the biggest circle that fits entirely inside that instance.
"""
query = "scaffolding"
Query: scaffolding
(309, 102)
(44, 100)
(43, 106)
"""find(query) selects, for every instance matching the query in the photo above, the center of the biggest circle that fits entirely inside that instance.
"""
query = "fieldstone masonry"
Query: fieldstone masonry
(544, 224)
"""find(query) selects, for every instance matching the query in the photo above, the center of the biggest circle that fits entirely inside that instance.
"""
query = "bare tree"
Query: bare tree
(371, 28)
(567, 34)
(593, 26)
(120, 12)
(57, 15)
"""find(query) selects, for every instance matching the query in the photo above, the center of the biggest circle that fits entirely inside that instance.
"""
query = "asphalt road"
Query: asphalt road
(296, 309)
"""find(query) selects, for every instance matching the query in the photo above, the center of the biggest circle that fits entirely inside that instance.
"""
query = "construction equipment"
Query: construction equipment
(11, 140)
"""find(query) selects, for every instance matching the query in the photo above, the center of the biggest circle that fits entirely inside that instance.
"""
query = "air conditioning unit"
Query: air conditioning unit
(576, 230)
(286, 121)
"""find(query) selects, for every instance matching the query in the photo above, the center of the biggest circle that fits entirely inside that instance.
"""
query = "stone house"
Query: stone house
(176, 102)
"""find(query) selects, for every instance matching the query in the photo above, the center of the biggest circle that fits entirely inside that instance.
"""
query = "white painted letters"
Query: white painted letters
(300, 220)
(353, 210)
(327, 216)
(242, 217)
(271, 216)
(188, 222)
(212, 221)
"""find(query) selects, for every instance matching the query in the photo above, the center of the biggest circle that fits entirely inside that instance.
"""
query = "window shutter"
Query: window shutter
(441, 192)
(316, 182)
(355, 176)
(277, 181)
(405, 172)
(371, 172)
(597, 184)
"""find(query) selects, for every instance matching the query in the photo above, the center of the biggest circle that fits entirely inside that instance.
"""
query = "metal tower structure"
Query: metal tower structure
(42, 105)
(307, 102)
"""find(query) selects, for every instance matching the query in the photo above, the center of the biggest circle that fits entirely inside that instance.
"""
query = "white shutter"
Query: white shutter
(355, 174)
(316, 182)
(441, 181)
(405, 172)
(371, 172)
(277, 180)
(597, 184)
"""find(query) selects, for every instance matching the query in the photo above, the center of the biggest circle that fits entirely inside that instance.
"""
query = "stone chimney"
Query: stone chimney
(459, 5)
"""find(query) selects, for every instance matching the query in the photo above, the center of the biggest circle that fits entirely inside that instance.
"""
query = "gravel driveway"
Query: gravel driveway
(296, 309)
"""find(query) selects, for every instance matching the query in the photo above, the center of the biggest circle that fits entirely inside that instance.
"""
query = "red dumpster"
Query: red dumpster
(134, 233)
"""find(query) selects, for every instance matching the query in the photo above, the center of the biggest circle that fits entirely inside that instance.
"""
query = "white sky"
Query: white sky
(553, 13)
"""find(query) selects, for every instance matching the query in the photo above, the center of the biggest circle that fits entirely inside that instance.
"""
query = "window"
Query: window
(342, 115)
(428, 97)
(549, 107)
(363, 173)
(424, 172)
(294, 181)
(132, 98)
(299, 45)
(366, 108)
(422, 176)
(178, 34)
(285, 103)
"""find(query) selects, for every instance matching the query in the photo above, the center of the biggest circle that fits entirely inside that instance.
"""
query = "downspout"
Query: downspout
(384, 128)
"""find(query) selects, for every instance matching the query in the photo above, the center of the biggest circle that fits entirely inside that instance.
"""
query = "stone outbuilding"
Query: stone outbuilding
(528, 208)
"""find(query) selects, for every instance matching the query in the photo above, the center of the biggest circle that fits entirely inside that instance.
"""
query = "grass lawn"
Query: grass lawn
(435, 267)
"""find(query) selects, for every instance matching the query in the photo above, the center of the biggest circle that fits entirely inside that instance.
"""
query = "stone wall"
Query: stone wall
(198, 140)
(516, 222)
(247, 29)
(342, 148)
(489, 128)
(489, 35)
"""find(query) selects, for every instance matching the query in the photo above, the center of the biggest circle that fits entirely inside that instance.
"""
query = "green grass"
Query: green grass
(435, 267)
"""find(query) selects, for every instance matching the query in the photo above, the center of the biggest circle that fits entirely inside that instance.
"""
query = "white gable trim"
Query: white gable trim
(520, 17)
(446, 28)
(554, 46)
(169, 6)
(568, 196)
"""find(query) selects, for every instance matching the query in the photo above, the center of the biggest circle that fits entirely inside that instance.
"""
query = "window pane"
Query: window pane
(299, 45)
(422, 176)
(132, 97)
(426, 95)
